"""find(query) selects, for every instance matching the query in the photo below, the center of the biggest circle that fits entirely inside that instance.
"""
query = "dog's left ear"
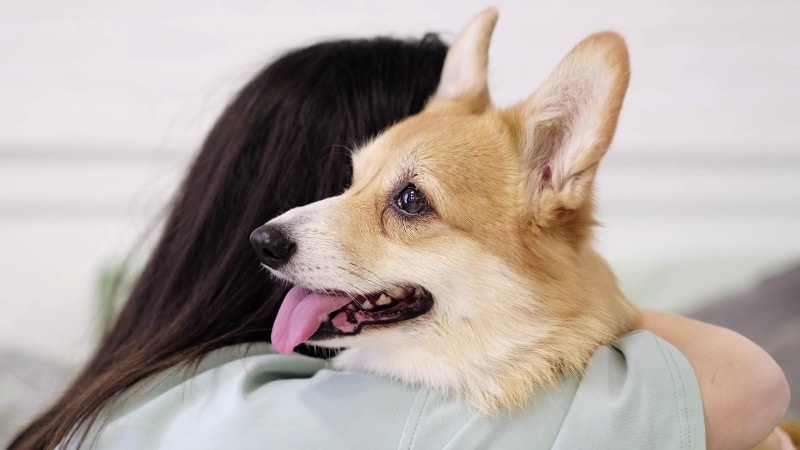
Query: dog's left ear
(466, 66)
(567, 125)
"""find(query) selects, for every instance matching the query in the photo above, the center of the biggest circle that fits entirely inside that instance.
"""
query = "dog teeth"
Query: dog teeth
(417, 292)
(351, 307)
(397, 292)
(383, 300)
(367, 304)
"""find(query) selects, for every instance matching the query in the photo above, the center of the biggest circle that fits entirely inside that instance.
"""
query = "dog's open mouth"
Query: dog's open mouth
(307, 315)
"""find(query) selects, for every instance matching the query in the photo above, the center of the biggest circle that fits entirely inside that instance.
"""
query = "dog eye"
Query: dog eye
(412, 201)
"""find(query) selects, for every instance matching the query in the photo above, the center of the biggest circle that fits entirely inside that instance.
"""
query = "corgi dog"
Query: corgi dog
(461, 255)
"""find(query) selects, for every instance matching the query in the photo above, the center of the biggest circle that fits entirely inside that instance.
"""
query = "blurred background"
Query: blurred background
(102, 105)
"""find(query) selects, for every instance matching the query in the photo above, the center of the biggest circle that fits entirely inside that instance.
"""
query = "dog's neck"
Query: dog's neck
(499, 361)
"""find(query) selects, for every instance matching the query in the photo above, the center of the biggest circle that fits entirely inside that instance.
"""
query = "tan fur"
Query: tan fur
(521, 298)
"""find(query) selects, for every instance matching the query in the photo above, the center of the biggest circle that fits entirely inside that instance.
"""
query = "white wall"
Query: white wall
(102, 103)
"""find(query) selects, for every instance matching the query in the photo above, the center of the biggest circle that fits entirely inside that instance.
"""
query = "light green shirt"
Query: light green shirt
(641, 393)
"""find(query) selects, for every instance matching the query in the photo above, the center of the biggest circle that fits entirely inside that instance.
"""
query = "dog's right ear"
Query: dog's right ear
(463, 79)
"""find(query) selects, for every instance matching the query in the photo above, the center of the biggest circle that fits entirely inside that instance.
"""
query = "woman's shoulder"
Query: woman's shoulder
(645, 390)
(639, 392)
(251, 397)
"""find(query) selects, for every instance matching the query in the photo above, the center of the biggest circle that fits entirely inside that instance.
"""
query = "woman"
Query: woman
(284, 141)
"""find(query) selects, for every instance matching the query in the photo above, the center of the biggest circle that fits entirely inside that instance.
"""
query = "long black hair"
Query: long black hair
(282, 142)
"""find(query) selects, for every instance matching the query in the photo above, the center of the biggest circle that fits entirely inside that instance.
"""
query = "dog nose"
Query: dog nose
(272, 245)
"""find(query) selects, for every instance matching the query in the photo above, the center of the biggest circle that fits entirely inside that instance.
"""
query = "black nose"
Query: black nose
(272, 245)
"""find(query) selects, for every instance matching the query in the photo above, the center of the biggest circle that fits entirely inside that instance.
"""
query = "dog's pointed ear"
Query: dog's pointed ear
(567, 125)
(466, 64)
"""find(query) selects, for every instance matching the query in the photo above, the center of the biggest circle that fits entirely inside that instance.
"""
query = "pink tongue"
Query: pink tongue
(300, 315)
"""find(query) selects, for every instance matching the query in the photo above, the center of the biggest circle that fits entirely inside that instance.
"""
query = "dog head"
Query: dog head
(463, 243)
